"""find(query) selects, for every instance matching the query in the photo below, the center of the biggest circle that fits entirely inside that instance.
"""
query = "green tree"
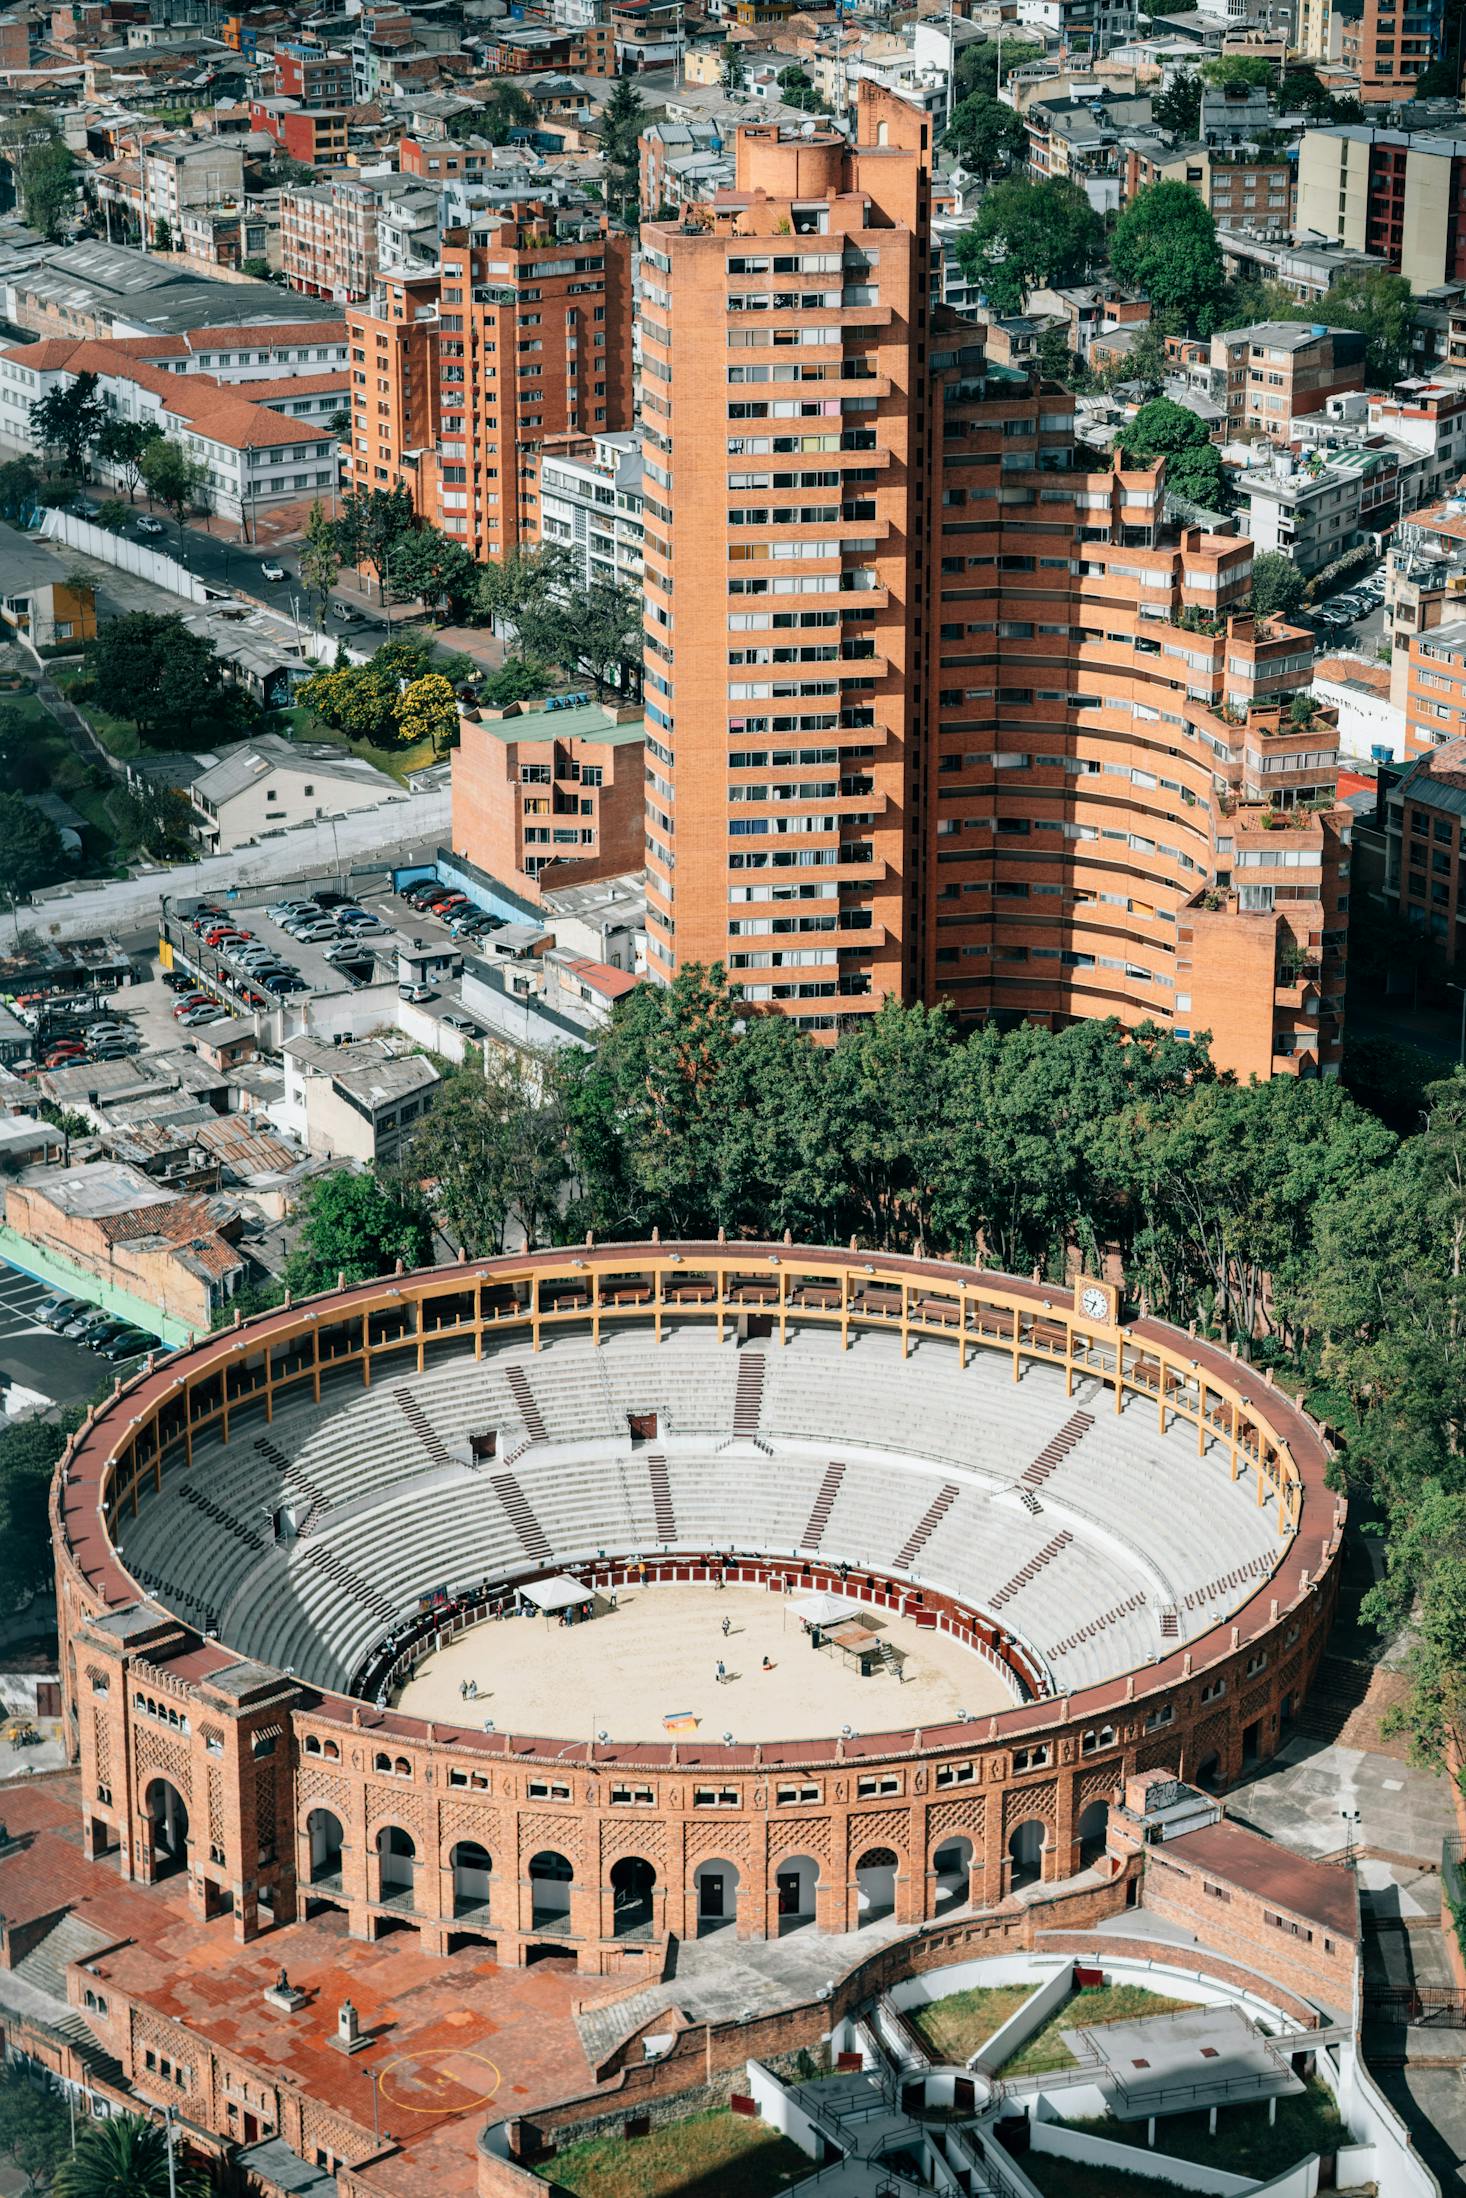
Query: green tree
(258, 270)
(1056, 362)
(29, 1453)
(70, 418)
(432, 569)
(162, 236)
(1441, 80)
(735, 66)
(167, 680)
(359, 1226)
(1381, 307)
(31, 853)
(24, 764)
(796, 89)
(986, 135)
(622, 121)
(1178, 108)
(320, 560)
(372, 526)
(34, 2123)
(172, 478)
(1162, 429)
(158, 821)
(1239, 69)
(505, 110)
(1424, 1589)
(493, 1151)
(20, 478)
(121, 443)
(1165, 244)
(1028, 236)
(1304, 92)
(1277, 586)
(68, 1121)
(361, 700)
(112, 514)
(126, 2157)
(49, 184)
(978, 64)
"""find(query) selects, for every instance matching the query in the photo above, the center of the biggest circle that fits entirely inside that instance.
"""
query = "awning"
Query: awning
(560, 1593)
(824, 1609)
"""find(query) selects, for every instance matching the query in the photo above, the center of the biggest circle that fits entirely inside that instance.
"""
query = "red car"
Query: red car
(192, 1000)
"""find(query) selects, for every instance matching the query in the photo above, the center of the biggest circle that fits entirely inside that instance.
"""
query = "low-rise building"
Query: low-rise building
(355, 1101)
(166, 1255)
(268, 784)
(1315, 512)
(554, 784)
(1269, 373)
(1252, 192)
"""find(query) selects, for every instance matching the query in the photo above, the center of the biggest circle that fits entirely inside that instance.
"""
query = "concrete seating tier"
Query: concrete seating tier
(1082, 1530)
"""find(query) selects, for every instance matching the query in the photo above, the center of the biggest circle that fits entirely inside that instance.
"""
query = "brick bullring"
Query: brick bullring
(284, 1489)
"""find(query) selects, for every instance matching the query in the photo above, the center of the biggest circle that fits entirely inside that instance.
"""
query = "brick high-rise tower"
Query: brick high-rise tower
(937, 706)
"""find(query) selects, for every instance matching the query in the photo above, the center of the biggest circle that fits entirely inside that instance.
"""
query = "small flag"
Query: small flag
(680, 1721)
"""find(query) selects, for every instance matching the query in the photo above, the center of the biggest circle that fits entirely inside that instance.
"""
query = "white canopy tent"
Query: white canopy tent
(824, 1609)
(559, 1593)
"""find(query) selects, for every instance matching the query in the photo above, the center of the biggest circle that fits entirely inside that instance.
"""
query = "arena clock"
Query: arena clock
(1097, 1302)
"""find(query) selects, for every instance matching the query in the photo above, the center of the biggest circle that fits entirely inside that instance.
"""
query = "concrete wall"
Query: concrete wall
(1100, 2152)
(1031, 2016)
(128, 556)
(71, 1280)
(781, 2110)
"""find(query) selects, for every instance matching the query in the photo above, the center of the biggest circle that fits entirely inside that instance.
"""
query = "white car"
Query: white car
(271, 571)
(148, 525)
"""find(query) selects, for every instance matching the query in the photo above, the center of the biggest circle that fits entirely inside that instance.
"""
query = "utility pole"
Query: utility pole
(172, 2171)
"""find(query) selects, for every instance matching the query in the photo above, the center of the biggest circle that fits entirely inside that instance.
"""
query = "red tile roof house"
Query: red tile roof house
(257, 458)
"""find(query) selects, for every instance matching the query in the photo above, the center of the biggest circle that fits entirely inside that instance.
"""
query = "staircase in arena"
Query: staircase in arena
(297, 1482)
(824, 1504)
(532, 1538)
(890, 1661)
(748, 1398)
(925, 1527)
(337, 1569)
(417, 1419)
(523, 1396)
(1057, 1449)
(1170, 1622)
(656, 1473)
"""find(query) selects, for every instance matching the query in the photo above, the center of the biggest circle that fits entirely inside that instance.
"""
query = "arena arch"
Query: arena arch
(327, 1842)
(715, 1887)
(633, 1883)
(796, 1883)
(396, 1867)
(875, 1885)
(168, 1818)
(1027, 1845)
(472, 1867)
(551, 1875)
(952, 1872)
(1090, 1832)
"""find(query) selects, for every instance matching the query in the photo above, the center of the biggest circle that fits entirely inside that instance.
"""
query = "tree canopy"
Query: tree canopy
(126, 2156)
(31, 853)
(364, 701)
(29, 1451)
(172, 478)
(1277, 585)
(70, 418)
(1163, 429)
(1165, 244)
(1028, 236)
(985, 135)
(359, 1226)
(167, 681)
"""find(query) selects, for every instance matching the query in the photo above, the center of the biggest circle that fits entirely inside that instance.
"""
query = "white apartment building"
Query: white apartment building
(590, 498)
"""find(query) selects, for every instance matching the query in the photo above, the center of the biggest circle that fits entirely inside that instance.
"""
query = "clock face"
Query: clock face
(1096, 1303)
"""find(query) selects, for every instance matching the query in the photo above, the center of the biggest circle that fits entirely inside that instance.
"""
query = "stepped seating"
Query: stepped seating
(1093, 1535)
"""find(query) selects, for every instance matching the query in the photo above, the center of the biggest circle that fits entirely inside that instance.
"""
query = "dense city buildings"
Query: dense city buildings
(1395, 194)
(522, 333)
(1028, 760)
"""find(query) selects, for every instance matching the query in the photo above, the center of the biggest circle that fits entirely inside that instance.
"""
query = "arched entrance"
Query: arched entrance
(1026, 1854)
(550, 1879)
(396, 1867)
(795, 1882)
(632, 1881)
(327, 1839)
(168, 1814)
(1090, 1832)
(952, 1866)
(875, 1885)
(716, 1885)
(1209, 1770)
(472, 1865)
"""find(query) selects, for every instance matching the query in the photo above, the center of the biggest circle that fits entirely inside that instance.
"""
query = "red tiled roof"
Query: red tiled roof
(296, 385)
(1321, 1892)
(601, 977)
(224, 414)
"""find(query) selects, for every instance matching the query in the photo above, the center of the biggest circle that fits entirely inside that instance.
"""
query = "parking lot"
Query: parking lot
(32, 1359)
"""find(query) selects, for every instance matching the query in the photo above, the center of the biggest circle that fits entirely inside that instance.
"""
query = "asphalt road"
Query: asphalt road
(236, 566)
(55, 1367)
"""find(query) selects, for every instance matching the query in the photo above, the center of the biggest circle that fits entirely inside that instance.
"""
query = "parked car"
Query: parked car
(54, 1312)
(197, 1016)
(106, 1333)
(465, 1027)
(147, 524)
(416, 993)
(269, 570)
(177, 983)
(81, 1322)
(132, 1343)
(279, 910)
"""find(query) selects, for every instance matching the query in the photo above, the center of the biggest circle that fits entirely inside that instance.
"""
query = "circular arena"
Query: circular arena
(566, 1602)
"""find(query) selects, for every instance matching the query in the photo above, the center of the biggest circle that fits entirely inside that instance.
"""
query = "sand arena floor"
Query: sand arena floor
(657, 1653)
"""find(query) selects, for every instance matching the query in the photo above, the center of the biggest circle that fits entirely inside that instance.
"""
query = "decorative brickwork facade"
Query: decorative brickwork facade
(278, 1797)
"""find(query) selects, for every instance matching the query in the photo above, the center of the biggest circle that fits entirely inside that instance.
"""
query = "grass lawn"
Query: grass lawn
(717, 2155)
(953, 2028)
(1109, 2003)
(87, 786)
(1078, 2179)
(1244, 2144)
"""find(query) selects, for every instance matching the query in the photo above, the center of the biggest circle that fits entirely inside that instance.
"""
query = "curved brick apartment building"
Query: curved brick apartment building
(1127, 1529)
(939, 704)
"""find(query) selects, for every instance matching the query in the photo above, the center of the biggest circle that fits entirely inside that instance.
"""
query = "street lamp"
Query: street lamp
(168, 2112)
(1351, 1818)
(375, 2074)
